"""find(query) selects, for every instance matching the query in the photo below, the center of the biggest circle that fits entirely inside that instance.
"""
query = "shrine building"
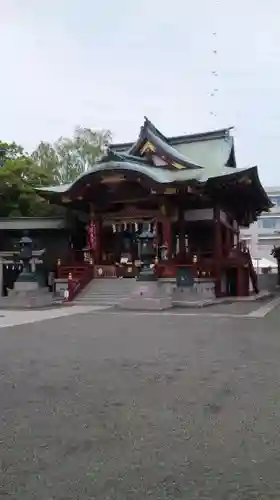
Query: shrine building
(190, 192)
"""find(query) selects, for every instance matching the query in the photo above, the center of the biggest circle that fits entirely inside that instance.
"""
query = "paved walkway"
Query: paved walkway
(98, 405)
(243, 310)
(13, 318)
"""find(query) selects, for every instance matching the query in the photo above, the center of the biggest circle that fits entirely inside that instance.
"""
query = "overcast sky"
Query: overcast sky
(106, 64)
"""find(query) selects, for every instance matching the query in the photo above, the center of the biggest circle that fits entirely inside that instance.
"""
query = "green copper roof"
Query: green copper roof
(156, 174)
(213, 154)
(206, 158)
(150, 133)
(204, 149)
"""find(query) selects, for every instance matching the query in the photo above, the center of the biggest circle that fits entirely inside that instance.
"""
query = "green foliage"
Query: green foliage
(18, 176)
(10, 151)
(48, 165)
(46, 157)
(68, 158)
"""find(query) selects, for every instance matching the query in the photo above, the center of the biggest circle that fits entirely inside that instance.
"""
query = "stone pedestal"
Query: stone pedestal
(22, 287)
(149, 296)
(202, 291)
(205, 287)
(27, 294)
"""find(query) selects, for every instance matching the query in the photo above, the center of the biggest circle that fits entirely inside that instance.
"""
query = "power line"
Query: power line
(214, 76)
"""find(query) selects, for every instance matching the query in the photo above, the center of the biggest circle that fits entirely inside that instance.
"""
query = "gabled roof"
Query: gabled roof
(180, 139)
(215, 148)
(151, 135)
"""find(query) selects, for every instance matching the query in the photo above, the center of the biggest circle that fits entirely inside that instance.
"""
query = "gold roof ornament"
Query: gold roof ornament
(65, 199)
(148, 148)
(177, 165)
(170, 191)
(245, 180)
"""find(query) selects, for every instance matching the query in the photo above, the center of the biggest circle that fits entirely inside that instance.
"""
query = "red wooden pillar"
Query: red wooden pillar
(228, 240)
(167, 236)
(157, 242)
(181, 227)
(94, 238)
(242, 281)
(98, 246)
(218, 250)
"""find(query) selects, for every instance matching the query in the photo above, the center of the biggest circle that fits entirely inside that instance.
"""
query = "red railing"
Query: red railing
(77, 283)
(76, 271)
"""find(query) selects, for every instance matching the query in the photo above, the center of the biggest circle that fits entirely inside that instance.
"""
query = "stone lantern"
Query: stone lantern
(147, 255)
(25, 254)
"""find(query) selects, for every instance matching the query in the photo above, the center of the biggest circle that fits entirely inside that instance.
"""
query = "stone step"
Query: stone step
(101, 297)
(107, 292)
(102, 293)
(101, 300)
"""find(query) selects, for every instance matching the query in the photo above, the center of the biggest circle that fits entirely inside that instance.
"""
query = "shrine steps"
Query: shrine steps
(106, 292)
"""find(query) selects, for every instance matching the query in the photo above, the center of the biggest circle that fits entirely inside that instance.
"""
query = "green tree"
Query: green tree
(46, 157)
(68, 158)
(10, 151)
(18, 177)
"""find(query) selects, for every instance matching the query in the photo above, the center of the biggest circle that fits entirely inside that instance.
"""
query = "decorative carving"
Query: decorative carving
(148, 147)
(177, 165)
(170, 191)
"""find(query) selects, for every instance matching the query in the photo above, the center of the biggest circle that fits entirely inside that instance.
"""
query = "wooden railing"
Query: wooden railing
(105, 271)
(77, 283)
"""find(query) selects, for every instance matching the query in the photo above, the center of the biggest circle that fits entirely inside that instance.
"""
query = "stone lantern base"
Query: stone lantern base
(26, 281)
(147, 274)
(27, 293)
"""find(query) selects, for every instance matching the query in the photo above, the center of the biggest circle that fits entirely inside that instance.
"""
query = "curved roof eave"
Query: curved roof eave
(156, 174)
(252, 173)
(60, 188)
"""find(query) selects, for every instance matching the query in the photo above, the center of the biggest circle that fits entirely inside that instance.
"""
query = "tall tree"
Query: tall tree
(19, 175)
(46, 157)
(10, 151)
(70, 157)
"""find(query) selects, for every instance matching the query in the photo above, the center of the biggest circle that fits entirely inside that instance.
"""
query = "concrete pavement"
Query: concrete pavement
(98, 405)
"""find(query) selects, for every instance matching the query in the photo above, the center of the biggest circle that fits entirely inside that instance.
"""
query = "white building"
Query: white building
(265, 232)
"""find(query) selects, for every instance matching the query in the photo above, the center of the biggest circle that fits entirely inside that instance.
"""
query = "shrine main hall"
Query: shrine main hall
(186, 190)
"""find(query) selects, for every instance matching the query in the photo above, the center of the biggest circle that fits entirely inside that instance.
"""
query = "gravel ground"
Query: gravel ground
(107, 406)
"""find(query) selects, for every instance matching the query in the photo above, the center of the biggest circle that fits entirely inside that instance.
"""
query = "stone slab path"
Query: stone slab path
(13, 318)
